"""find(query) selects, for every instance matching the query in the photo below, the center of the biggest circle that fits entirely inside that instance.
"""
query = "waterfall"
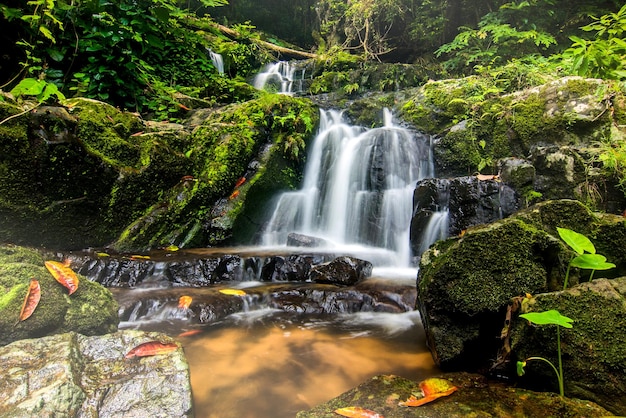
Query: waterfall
(280, 77)
(217, 60)
(357, 189)
(438, 224)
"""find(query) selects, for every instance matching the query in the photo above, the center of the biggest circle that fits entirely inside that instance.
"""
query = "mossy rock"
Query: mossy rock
(465, 283)
(593, 350)
(91, 310)
(230, 151)
(475, 397)
(480, 124)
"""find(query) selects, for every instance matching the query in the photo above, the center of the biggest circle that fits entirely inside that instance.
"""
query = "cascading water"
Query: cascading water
(281, 77)
(357, 190)
(438, 224)
(217, 60)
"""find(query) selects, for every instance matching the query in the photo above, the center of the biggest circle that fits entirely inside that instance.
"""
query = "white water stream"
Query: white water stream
(281, 77)
(357, 192)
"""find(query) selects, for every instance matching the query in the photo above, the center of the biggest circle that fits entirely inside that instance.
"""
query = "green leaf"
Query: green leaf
(551, 317)
(520, 368)
(591, 261)
(578, 242)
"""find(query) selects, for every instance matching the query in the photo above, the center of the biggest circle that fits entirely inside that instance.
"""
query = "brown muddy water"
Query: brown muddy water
(267, 363)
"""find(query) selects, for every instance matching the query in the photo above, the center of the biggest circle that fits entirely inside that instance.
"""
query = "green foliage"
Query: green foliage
(40, 89)
(603, 56)
(581, 246)
(498, 38)
(133, 54)
(551, 317)
(613, 156)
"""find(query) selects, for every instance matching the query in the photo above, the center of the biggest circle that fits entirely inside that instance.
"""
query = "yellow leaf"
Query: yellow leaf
(63, 274)
(234, 292)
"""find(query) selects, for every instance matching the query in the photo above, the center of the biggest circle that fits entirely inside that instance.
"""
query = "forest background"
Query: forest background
(143, 55)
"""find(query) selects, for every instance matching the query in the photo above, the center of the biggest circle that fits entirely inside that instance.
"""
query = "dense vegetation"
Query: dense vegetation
(150, 55)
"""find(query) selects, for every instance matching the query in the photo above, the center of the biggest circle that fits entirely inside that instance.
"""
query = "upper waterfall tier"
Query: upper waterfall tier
(357, 189)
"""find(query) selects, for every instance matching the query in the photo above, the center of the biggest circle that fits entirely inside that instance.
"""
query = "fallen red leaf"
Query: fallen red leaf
(357, 412)
(432, 389)
(31, 300)
(184, 302)
(63, 274)
(233, 195)
(151, 348)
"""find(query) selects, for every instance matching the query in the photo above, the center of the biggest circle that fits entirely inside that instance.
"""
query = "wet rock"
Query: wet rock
(342, 271)
(301, 240)
(72, 375)
(91, 310)
(294, 267)
(594, 350)
(465, 283)
(475, 397)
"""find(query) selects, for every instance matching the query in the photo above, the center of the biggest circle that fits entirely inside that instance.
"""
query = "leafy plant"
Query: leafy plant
(603, 56)
(551, 317)
(586, 258)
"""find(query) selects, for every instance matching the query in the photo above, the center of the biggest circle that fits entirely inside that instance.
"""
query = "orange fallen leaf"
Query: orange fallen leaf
(151, 348)
(241, 181)
(184, 302)
(233, 195)
(31, 300)
(190, 333)
(234, 292)
(357, 412)
(139, 257)
(432, 389)
(63, 274)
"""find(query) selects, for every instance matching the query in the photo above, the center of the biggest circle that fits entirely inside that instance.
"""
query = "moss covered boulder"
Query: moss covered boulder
(90, 310)
(593, 350)
(465, 283)
(86, 174)
(561, 128)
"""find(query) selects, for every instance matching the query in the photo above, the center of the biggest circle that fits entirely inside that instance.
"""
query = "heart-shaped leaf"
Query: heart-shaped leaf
(578, 242)
(551, 317)
(592, 262)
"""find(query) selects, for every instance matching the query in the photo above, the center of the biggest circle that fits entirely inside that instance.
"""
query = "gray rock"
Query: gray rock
(301, 240)
(71, 375)
(342, 270)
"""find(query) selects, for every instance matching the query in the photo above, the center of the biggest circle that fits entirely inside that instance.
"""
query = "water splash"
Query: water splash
(358, 188)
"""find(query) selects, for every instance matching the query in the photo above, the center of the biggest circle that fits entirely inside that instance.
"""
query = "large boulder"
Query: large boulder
(593, 350)
(91, 310)
(465, 283)
(72, 375)
(344, 271)
(86, 174)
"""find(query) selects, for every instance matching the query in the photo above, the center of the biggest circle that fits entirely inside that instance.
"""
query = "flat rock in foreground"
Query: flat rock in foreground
(71, 375)
(475, 397)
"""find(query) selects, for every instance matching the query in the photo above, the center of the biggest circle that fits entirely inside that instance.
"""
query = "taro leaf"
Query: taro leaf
(151, 348)
(548, 317)
(184, 302)
(520, 368)
(578, 242)
(357, 412)
(63, 274)
(591, 261)
(31, 300)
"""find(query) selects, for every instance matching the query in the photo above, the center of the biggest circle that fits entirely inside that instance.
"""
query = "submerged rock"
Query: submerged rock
(593, 350)
(475, 397)
(71, 375)
(91, 310)
(342, 271)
